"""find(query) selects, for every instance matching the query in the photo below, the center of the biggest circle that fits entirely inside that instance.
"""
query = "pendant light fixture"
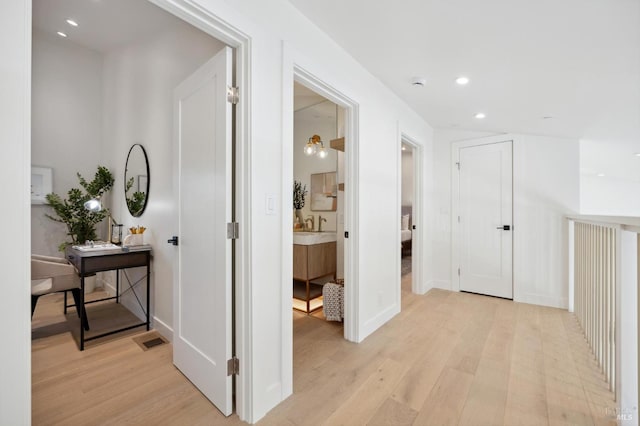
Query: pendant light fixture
(315, 146)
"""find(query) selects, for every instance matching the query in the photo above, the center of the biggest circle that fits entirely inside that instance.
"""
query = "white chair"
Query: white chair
(52, 275)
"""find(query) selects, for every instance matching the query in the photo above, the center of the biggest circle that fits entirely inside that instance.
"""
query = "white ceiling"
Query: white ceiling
(575, 60)
(103, 24)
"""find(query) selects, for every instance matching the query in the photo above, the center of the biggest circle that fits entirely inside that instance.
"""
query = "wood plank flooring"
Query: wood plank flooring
(448, 358)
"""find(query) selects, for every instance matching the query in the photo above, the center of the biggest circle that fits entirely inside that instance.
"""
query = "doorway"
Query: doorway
(292, 72)
(160, 125)
(318, 202)
(483, 197)
(407, 219)
(410, 202)
(347, 219)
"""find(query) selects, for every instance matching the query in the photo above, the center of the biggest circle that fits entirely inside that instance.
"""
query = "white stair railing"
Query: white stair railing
(604, 258)
(595, 275)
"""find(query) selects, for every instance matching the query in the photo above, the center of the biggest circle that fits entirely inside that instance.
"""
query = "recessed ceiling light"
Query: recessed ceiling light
(637, 154)
(462, 80)
(480, 115)
(61, 34)
(404, 148)
(72, 22)
(600, 175)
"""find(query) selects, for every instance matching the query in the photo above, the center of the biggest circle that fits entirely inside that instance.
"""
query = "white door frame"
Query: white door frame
(417, 285)
(455, 204)
(293, 71)
(233, 37)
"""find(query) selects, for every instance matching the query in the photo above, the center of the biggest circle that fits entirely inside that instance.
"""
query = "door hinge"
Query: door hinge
(458, 164)
(458, 271)
(233, 95)
(233, 366)
(233, 231)
(458, 219)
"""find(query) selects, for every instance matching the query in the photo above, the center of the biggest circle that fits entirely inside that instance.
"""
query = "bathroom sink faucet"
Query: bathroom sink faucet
(306, 223)
(320, 220)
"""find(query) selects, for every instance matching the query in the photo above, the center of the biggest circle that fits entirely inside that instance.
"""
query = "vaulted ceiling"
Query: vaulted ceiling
(577, 61)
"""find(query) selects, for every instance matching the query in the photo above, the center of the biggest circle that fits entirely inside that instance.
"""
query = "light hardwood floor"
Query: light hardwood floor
(447, 358)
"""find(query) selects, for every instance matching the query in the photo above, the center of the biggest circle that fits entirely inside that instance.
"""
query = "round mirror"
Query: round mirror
(136, 180)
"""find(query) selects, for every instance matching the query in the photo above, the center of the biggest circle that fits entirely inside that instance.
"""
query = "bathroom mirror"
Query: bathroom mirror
(136, 180)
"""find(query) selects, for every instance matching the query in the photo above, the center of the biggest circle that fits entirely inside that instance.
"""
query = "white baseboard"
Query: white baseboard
(543, 300)
(269, 400)
(443, 284)
(378, 321)
(425, 287)
(163, 328)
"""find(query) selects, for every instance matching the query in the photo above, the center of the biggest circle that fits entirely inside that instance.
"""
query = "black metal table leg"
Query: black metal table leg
(148, 290)
(82, 312)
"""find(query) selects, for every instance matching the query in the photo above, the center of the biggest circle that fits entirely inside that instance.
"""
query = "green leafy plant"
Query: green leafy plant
(81, 223)
(135, 202)
(299, 194)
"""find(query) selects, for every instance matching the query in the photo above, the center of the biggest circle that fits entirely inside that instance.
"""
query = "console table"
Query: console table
(90, 262)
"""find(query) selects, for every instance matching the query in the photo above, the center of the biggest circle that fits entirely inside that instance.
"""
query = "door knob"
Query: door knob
(504, 227)
(173, 240)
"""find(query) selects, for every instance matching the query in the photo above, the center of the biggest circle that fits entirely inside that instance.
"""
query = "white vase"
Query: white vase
(297, 218)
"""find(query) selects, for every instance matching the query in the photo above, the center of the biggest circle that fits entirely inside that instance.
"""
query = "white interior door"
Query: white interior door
(202, 289)
(486, 209)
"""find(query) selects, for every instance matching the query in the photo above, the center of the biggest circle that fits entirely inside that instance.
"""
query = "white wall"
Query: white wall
(15, 104)
(546, 188)
(138, 108)
(609, 196)
(270, 26)
(315, 120)
(382, 116)
(66, 126)
(609, 176)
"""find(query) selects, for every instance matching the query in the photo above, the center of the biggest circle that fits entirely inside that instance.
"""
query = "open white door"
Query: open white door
(486, 208)
(202, 297)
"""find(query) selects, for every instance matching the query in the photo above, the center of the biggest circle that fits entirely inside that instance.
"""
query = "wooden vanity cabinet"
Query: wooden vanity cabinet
(311, 262)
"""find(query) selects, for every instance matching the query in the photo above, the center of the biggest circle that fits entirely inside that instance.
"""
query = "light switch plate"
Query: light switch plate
(270, 204)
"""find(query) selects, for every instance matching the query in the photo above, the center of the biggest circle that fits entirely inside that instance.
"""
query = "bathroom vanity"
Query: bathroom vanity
(314, 257)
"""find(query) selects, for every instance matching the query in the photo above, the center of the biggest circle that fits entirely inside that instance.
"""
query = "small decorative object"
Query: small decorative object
(136, 238)
(116, 232)
(81, 222)
(299, 194)
(137, 230)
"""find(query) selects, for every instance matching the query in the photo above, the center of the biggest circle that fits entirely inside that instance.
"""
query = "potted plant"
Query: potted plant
(81, 223)
(299, 194)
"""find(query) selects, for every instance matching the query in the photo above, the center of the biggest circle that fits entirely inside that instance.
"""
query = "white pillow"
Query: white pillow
(405, 222)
